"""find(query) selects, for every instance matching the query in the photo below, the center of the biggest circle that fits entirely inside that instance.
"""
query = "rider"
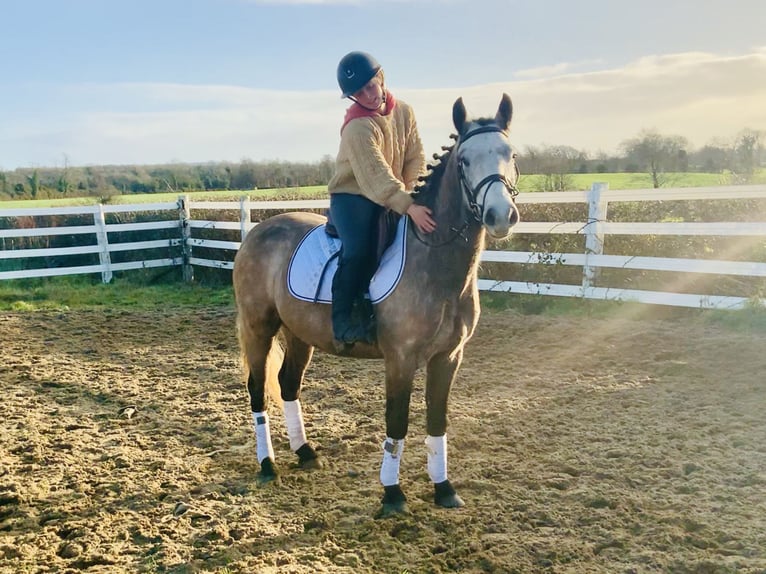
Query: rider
(378, 164)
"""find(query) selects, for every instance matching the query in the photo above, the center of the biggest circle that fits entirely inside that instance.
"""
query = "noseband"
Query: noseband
(472, 194)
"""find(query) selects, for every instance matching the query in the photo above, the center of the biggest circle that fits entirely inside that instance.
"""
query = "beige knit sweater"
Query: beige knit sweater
(380, 157)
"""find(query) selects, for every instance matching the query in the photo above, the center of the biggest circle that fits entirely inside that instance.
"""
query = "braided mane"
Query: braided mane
(428, 184)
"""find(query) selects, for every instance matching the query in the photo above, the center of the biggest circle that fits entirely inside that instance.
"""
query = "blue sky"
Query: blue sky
(86, 82)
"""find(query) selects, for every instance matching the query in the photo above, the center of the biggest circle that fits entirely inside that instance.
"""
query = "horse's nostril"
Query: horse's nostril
(514, 219)
(490, 218)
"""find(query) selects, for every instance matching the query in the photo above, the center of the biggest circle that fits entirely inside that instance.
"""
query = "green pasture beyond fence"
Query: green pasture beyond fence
(527, 184)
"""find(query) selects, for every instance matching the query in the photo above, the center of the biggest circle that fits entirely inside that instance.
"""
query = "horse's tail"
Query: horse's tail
(273, 364)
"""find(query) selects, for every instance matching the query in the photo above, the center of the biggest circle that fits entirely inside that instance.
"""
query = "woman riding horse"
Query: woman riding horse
(378, 164)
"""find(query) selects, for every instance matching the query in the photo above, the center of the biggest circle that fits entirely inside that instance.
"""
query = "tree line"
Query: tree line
(649, 152)
(653, 153)
(109, 180)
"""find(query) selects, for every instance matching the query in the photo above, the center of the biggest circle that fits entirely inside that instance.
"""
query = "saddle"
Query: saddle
(315, 259)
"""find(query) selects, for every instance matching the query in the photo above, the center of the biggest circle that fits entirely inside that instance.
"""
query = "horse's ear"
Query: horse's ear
(458, 115)
(504, 112)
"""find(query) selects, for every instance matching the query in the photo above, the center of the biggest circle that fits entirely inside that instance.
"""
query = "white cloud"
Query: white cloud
(697, 95)
(557, 69)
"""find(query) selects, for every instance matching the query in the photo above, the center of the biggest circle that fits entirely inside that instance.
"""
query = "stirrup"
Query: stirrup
(357, 333)
(370, 333)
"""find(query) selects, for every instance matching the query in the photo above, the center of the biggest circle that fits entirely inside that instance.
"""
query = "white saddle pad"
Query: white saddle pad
(315, 261)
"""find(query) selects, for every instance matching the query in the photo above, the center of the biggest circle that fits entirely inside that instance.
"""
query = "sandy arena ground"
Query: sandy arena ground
(617, 445)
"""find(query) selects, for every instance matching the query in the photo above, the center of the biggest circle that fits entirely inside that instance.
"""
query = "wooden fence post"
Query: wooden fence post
(594, 237)
(104, 258)
(184, 214)
(244, 216)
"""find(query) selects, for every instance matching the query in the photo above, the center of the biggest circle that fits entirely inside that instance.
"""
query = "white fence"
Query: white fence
(595, 229)
(98, 233)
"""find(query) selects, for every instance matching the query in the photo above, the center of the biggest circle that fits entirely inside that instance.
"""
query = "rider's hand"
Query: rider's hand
(421, 215)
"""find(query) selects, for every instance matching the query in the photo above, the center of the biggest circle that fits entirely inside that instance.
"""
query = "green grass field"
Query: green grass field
(85, 292)
(583, 181)
(527, 183)
(312, 192)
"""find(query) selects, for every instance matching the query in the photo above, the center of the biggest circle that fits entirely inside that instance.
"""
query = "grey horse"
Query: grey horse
(426, 321)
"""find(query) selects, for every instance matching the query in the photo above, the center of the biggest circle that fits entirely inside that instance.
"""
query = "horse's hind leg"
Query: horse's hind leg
(261, 355)
(297, 357)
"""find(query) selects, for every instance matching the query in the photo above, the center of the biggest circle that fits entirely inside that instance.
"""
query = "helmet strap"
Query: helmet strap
(353, 99)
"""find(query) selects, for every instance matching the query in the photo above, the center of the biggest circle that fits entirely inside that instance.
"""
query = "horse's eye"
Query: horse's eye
(513, 155)
(464, 162)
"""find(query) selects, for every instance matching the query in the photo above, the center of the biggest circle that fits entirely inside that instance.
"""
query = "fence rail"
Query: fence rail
(177, 219)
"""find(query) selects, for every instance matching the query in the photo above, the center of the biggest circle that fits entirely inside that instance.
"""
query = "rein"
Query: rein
(472, 194)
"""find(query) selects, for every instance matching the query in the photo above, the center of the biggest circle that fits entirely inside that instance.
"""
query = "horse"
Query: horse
(426, 321)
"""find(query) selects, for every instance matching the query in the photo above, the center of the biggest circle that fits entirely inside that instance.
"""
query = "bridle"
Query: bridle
(472, 194)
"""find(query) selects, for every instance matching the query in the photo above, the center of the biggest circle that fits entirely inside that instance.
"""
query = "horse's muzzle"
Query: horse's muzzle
(499, 222)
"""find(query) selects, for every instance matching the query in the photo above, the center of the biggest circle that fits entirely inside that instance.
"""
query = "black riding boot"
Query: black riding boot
(364, 315)
(346, 327)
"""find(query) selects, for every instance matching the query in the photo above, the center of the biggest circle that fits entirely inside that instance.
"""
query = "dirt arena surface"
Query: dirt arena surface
(619, 445)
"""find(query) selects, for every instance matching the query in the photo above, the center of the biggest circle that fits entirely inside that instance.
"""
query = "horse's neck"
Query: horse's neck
(454, 248)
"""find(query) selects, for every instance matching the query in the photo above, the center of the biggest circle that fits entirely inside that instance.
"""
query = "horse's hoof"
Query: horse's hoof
(308, 459)
(387, 510)
(453, 501)
(394, 502)
(446, 497)
(263, 480)
(268, 473)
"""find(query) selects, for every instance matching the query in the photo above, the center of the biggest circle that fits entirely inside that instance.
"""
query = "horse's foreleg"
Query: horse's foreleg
(441, 373)
(297, 357)
(398, 391)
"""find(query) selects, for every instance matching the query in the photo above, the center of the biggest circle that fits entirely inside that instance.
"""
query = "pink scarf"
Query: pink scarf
(357, 111)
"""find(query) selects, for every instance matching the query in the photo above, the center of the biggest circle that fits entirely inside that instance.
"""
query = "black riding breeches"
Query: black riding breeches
(356, 220)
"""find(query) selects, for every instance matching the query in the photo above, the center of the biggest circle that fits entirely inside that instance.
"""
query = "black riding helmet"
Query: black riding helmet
(354, 71)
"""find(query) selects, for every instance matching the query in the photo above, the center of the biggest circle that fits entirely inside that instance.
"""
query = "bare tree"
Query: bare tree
(657, 154)
(747, 150)
(554, 163)
(63, 185)
(712, 157)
